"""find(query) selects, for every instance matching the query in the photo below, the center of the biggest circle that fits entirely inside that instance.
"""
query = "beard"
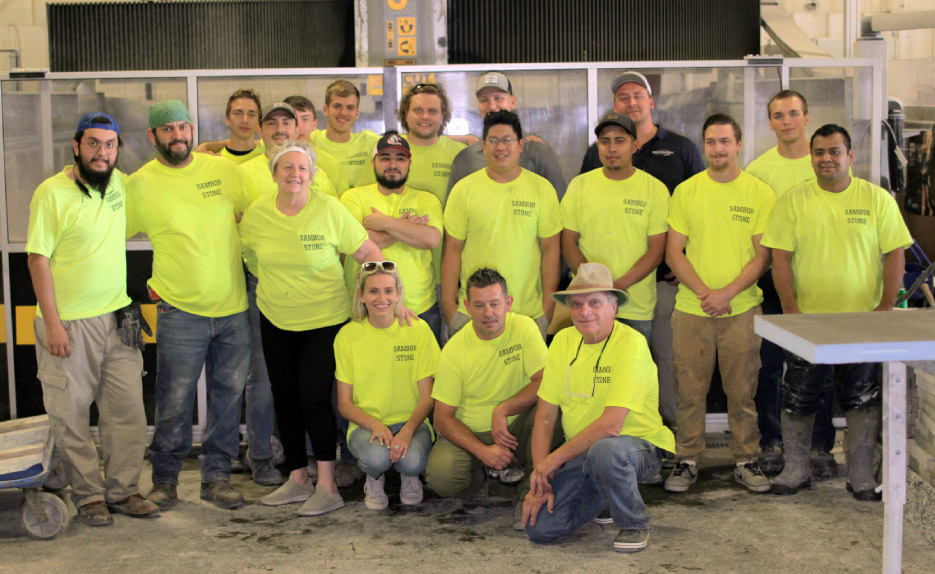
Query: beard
(96, 180)
(391, 183)
(172, 157)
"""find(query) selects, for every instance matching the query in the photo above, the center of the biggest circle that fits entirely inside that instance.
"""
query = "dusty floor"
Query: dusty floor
(715, 527)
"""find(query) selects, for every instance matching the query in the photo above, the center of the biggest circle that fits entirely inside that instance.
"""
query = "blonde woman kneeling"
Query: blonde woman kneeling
(385, 373)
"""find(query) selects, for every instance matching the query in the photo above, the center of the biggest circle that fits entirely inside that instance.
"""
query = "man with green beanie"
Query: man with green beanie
(188, 204)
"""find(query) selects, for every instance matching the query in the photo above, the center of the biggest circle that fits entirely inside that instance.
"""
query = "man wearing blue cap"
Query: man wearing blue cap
(189, 204)
(87, 332)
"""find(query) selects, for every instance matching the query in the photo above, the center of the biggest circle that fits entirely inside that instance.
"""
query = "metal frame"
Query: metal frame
(392, 80)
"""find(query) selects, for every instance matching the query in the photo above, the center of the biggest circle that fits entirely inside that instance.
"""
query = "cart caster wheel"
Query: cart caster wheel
(56, 513)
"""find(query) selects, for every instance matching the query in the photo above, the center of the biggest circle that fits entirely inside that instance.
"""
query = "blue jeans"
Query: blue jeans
(186, 342)
(607, 475)
(374, 458)
(261, 418)
(433, 317)
(644, 328)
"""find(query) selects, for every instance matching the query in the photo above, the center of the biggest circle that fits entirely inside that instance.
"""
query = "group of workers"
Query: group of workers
(418, 275)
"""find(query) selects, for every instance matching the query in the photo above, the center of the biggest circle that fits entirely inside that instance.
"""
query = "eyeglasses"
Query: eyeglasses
(597, 367)
(95, 145)
(381, 265)
(492, 141)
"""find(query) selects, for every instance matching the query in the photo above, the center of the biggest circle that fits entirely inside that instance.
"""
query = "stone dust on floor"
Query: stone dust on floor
(717, 526)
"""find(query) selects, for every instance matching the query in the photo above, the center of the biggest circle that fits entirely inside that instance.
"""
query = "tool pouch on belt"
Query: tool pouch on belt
(131, 324)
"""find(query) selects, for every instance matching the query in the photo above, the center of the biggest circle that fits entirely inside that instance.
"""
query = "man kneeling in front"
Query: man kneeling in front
(602, 377)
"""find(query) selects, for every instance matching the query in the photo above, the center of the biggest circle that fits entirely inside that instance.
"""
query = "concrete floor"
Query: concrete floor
(716, 527)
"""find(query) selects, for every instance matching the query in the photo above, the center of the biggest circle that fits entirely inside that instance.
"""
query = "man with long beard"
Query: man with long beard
(86, 348)
(189, 204)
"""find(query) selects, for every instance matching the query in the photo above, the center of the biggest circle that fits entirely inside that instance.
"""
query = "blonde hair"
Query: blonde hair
(359, 308)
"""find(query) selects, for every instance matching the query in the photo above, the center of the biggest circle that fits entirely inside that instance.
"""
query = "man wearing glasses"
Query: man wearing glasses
(506, 218)
(601, 375)
(485, 391)
(494, 93)
(77, 259)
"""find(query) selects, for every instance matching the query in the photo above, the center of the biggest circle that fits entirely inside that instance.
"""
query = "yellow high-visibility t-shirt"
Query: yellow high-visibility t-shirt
(614, 220)
(477, 375)
(239, 158)
(501, 225)
(616, 372)
(85, 241)
(384, 367)
(415, 265)
(720, 220)
(837, 241)
(331, 166)
(301, 280)
(259, 180)
(354, 154)
(430, 170)
(189, 215)
(780, 173)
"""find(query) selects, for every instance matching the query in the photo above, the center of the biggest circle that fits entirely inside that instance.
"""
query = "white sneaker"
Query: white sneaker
(511, 475)
(374, 496)
(410, 490)
(288, 493)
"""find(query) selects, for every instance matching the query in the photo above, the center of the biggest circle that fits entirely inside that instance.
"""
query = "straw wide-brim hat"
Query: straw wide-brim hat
(592, 278)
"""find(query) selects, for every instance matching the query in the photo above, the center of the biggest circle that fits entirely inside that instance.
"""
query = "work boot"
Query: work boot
(220, 493)
(770, 460)
(862, 428)
(264, 473)
(164, 495)
(797, 440)
(824, 467)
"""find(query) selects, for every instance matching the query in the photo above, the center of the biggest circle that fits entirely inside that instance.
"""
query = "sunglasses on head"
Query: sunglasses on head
(382, 265)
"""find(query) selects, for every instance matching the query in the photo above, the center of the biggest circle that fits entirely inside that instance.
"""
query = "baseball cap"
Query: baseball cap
(614, 119)
(494, 80)
(87, 121)
(279, 107)
(392, 141)
(630, 76)
(167, 111)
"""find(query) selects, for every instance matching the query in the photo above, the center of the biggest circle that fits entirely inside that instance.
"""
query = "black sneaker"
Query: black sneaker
(603, 518)
(631, 540)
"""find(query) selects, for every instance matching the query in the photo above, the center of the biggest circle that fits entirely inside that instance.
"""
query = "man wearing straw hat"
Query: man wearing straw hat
(601, 375)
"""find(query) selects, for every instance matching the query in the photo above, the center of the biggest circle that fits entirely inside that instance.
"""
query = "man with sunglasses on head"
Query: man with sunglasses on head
(405, 223)
(86, 349)
(494, 93)
(506, 218)
(601, 375)
(485, 390)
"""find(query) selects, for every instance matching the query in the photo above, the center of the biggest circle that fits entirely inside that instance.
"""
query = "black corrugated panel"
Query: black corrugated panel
(481, 31)
(201, 35)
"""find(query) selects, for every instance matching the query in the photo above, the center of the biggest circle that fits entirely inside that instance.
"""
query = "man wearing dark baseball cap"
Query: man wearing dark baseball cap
(405, 222)
(77, 259)
(601, 375)
(616, 216)
(188, 205)
(494, 92)
(671, 158)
